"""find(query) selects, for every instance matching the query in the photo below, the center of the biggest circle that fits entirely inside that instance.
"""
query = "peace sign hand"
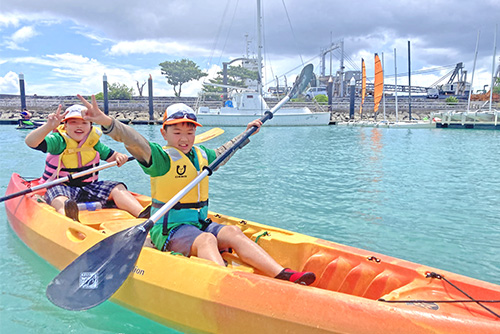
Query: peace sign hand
(93, 113)
(55, 119)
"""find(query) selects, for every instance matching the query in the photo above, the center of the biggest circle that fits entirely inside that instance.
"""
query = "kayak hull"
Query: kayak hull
(195, 295)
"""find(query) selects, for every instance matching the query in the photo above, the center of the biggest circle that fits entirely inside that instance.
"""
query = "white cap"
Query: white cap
(186, 114)
(75, 111)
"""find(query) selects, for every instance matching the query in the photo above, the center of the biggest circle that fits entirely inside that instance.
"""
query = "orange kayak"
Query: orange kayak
(356, 291)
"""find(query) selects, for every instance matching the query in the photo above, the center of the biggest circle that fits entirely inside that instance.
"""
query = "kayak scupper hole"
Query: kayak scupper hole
(75, 235)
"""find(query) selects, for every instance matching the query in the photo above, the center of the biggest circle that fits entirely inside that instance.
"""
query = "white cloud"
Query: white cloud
(146, 46)
(24, 34)
(91, 35)
(9, 84)
(19, 37)
(7, 20)
(70, 74)
(13, 46)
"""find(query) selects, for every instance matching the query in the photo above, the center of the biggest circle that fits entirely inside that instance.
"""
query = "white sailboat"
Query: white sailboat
(246, 105)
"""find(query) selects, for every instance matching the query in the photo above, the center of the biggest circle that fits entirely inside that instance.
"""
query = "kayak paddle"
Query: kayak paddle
(207, 135)
(96, 274)
(202, 137)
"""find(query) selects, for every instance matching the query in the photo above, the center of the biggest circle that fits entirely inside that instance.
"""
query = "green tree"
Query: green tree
(179, 72)
(321, 98)
(236, 76)
(451, 100)
(496, 87)
(117, 91)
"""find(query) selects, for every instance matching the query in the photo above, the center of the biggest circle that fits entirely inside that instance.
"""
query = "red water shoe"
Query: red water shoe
(304, 277)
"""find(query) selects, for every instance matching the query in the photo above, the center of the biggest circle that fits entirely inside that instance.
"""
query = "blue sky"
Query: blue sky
(64, 48)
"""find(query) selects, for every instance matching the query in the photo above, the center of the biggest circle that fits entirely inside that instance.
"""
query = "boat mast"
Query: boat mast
(473, 70)
(493, 66)
(396, 83)
(341, 67)
(409, 83)
(259, 48)
(383, 87)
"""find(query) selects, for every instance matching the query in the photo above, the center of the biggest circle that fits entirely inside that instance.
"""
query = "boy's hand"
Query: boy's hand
(121, 159)
(257, 123)
(93, 113)
(55, 119)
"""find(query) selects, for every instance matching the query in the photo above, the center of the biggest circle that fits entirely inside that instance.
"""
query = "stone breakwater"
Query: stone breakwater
(137, 109)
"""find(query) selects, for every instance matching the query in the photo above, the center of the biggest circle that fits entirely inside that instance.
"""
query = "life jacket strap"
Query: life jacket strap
(179, 206)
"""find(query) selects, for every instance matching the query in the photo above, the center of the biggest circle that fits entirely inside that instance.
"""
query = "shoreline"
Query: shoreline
(136, 111)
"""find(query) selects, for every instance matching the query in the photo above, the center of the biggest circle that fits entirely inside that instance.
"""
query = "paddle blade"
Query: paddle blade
(207, 135)
(302, 81)
(96, 274)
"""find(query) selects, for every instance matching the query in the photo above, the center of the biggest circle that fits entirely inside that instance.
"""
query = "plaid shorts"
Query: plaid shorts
(97, 191)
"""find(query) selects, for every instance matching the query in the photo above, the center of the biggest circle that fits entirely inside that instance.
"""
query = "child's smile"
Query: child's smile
(77, 128)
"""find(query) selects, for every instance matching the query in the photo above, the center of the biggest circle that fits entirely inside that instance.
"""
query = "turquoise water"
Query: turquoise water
(425, 195)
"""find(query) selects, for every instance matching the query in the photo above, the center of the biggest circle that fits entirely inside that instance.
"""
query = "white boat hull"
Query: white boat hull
(399, 125)
(248, 106)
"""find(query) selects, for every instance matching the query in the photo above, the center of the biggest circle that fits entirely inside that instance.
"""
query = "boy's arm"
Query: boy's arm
(36, 137)
(134, 142)
(224, 147)
(221, 149)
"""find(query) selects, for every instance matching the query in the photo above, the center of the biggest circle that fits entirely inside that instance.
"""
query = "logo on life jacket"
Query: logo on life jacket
(181, 171)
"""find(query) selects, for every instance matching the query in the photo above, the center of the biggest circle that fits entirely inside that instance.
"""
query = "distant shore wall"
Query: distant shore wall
(137, 109)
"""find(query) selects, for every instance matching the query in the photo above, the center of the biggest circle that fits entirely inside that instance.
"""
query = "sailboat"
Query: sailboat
(378, 85)
(377, 97)
(363, 87)
(247, 105)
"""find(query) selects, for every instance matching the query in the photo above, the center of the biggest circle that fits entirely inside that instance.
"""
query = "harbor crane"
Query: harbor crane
(452, 87)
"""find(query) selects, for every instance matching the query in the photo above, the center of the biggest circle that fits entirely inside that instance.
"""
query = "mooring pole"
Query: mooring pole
(150, 94)
(23, 94)
(105, 93)
(352, 93)
(329, 90)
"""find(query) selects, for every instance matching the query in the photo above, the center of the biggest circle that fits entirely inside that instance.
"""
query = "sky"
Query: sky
(65, 47)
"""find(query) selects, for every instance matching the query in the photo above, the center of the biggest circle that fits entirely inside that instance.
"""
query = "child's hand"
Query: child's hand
(36, 137)
(93, 113)
(55, 119)
(257, 123)
(121, 159)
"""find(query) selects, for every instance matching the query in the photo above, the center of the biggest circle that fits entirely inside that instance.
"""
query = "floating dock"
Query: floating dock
(479, 119)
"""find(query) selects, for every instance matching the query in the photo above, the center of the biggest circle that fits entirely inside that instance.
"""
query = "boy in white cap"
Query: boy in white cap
(73, 147)
(185, 228)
